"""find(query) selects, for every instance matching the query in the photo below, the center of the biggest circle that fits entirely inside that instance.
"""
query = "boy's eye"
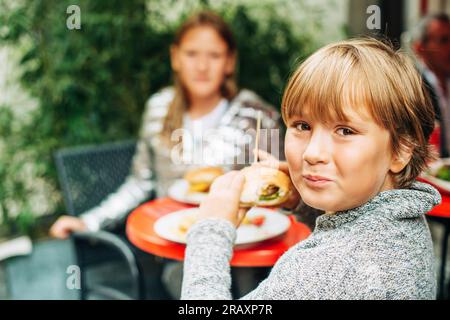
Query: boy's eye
(302, 126)
(345, 131)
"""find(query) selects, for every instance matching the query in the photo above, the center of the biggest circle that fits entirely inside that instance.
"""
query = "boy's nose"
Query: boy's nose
(318, 149)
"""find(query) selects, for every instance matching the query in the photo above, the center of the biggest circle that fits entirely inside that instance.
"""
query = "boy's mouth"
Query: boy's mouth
(315, 178)
(316, 181)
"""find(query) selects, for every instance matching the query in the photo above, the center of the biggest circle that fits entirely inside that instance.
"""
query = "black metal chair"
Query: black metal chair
(443, 291)
(87, 175)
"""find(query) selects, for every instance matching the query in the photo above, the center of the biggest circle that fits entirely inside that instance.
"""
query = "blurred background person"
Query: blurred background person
(431, 44)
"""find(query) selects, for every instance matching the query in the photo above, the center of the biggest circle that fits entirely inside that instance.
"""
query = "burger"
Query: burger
(200, 179)
(264, 187)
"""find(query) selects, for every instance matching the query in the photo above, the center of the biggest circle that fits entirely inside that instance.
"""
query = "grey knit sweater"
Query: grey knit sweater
(380, 250)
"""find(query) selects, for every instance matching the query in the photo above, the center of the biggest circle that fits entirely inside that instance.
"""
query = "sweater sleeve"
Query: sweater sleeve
(207, 266)
(207, 260)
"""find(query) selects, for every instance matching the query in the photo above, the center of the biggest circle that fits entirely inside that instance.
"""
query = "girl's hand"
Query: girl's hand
(65, 225)
(223, 199)
(267, 160)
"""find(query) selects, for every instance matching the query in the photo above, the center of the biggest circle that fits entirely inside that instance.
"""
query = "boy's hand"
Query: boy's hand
(223, 199)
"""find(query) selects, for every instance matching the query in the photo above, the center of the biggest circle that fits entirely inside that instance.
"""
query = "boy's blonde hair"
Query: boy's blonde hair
(367, 73)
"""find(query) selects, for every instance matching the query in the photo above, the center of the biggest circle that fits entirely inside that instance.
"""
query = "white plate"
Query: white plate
(275, 224)
(179, 191)
(434, 167)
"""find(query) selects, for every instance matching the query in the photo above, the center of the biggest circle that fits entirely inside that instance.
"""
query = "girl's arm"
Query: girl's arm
(140, 183)
(136, 189)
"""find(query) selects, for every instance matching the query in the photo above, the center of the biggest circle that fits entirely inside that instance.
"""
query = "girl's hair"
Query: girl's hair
(180, 102)
(367, 73)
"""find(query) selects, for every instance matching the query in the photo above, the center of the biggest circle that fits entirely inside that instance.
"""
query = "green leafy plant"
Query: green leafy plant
(444, 173)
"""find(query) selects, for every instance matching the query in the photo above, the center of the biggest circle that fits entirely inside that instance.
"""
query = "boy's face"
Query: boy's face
(338, 166)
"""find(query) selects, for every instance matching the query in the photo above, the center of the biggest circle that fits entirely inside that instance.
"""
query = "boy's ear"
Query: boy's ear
(401, 158)
(174, 58)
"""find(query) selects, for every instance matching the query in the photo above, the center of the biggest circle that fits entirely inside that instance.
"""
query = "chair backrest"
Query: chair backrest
(88, 174)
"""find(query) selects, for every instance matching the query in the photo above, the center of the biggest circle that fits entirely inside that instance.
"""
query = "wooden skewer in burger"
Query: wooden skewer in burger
(264, 186)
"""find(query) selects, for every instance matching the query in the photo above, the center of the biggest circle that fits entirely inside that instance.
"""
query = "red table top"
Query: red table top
(442, 210)
(263, 254)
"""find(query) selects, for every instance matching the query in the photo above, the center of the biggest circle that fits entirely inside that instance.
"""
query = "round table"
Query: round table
(263, 254)
(441, 214)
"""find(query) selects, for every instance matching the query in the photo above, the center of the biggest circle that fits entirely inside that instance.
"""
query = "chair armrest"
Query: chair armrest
(113, 241)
